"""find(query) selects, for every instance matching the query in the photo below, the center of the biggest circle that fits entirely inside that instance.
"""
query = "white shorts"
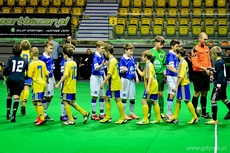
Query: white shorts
(171, 82)
(128, 90)
(95, 82)
(49, 88)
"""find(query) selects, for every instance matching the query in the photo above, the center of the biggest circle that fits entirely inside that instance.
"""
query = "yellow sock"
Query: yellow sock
(177, 109)
(121, 110)
(69, 112)
(22, 95)
(191, 109)
(78, 108)
(41, 112)
(157, 111)
(36, 109)
(107, 109)
(145, 110)
(25, 96)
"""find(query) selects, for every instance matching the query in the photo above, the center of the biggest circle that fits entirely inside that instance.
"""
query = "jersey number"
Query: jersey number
(17, 66)
(74, 68)
(40, 69)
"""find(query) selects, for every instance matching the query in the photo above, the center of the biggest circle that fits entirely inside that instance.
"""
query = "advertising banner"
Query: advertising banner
(35, 25)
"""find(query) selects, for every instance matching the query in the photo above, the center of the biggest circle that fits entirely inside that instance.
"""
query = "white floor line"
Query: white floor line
(216, 139)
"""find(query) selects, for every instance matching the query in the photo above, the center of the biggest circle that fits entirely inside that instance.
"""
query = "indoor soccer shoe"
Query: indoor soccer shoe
(133, 116)
(86, 117)
(173, 120)
(64, 118)
(68, 122)
(156, 122)
(206, 116)
(194, 120)
(23, 110)
(95, 117)
(128, 118)
(106, 120)
(168, 116)
(13, 119)
(48, 118)
(121, 121)
(143, 122)
(163, 116)
(8, 116)
(227, 117)
(101, 116)
(40, 122)
(212, 122)
(37, 119)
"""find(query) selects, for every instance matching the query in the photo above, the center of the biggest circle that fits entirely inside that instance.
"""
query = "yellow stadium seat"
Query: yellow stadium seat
(160, 12)
(170, 30)
(33, 3)
(196, 21)
(221, 3)
(184, 12)
(123, 11)
(132, 30)
(68, 2)
(75, 21)
(56, 2)
(10, 2)
(135, 11)
(119, 30)
(145, 21)
(145, 30)
(45, 2)
(1, 2)
(183, 30)
(209, 3)
(53, 10)
(158, 21)
(148, 12)
(197, 12)
(65, 10)
(210, 29)
(222, 21)
(125, 3)
(157, 29)
(171, 21)
(172, 12)
(196, 29)
(29, 9)
(160, 3)
(121, 21)
(197, 3)
(208, 21)
(173, 3)
(183, 21)
(41, 10)
(134, 21)
(22, 2)
(149, 3)
(221, 12)
(77, 11)
(18, 10)
(80, 3)
(137, 3)
(222, 30)
(209, 12)
(184, 3)
(6, 9)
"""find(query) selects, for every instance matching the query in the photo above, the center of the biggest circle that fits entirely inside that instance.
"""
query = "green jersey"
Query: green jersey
(159, 60)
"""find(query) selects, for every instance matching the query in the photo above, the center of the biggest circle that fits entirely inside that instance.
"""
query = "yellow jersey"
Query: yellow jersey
(113, 70)
(70, 71)
(149, 72)
(183, 72)
(38, 72)
(26, 55)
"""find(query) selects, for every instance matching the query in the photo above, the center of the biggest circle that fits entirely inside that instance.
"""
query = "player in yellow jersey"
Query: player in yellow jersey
(114, 87)
(39, 74)
(25, 44)
(182, 89)
(69, 87)
(151, 89)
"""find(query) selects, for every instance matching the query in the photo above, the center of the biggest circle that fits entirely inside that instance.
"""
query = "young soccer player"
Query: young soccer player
(159, 63)
(114, 87)
(182, 89)
(39, 74)
(128, 78)
(25, 44)
(15, 73)
(171, 72)
(97, 74)
(69, 87)
(48, 60)
(220, 85)
(151, 89)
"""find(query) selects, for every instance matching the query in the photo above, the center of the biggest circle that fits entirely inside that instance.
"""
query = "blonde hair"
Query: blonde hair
(34, 51)
(216, 50)
(148, 54)
(25, 44)
(100, 43)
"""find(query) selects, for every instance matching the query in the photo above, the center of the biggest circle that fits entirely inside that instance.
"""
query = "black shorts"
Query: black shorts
(201, 81)
(15, 88)
(220, 95)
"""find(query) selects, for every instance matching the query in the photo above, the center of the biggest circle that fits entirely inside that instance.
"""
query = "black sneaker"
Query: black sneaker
(206, 116)
(86, 117)
(48, 118)
(23, 110)
(8, 116)
(13, 119)
(227, 116)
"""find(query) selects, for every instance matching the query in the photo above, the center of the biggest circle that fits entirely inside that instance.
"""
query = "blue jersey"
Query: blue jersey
(62, 64)
(48, 60)
(130, 63)
(171, 60)
(97, 60)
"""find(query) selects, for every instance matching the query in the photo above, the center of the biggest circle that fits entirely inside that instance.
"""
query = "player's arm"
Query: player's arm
(138, 70)
(6, 70)
(123, 67)
(164, 64)
(170, 67)
(219, 71)
(96, 65)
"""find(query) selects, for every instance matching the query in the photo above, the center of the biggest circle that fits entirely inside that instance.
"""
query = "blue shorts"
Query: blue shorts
(28, 82)
(183, 93)
(38, 96)
(68, 97)
(111, 94)
(151, 96)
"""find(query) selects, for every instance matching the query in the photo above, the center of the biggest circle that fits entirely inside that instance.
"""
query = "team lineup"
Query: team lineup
(27, 70)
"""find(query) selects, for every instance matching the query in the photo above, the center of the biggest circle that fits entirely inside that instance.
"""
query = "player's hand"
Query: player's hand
(147, 90)
(56, 86)
(211, 78)
(137, 64)
(137, 79)
(174, 90)
(102, 86)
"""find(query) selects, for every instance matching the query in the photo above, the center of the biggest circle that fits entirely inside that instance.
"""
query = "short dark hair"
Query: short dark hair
(180, 51)
(17, 50)
(68, 51)
(173, 42)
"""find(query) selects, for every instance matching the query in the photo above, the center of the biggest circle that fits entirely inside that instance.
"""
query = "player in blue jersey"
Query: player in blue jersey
(15, 72)
(171, 73)
(48, 60)
(97, 73)
(128, 78)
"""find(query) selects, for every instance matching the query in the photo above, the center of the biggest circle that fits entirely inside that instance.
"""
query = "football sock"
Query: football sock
(15, 106)
(191, 109)
(195, 102)
(101, 102)
(145, 110)
(169, 108)
(22, 95)
(8, 104)
(25, 96)
(161, 104)
(150, 103)
(227, 103)
(36, 108)
(107, 109)
(214, 111)
(157, 111)
(124, 105)
(78, 108)
(40, 111)
(177, 109)
(63, 112)
(93, 102)
(132, 104)
(44, 104)
(203, 101)
(121, 110)
(69, 112)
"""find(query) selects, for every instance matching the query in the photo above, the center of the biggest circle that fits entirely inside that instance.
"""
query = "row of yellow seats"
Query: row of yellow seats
(173, 3)
(76, 11)
(42, 3)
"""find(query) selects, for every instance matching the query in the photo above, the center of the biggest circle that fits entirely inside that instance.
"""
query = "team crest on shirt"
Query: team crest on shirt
(124, 95)
(161, 56)
(95, 92)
